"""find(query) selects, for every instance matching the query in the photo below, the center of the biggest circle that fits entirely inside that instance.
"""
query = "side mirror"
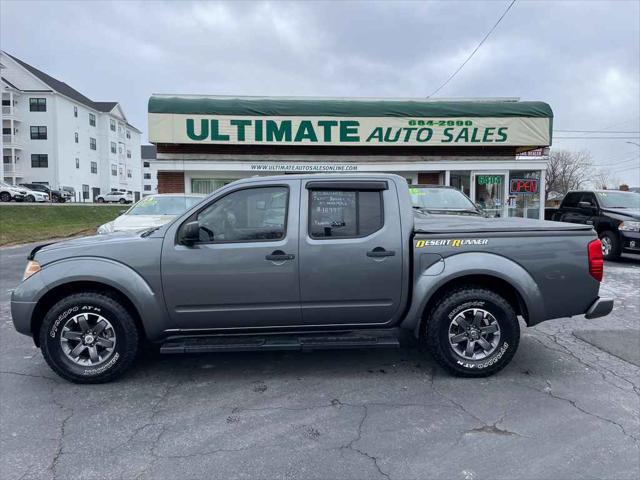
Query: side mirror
(191, 233)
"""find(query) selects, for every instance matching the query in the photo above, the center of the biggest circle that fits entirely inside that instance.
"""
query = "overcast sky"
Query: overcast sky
(582, 57)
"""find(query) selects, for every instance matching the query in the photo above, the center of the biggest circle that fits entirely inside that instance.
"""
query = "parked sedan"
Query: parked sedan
(35, 196)
(151, 211)
(11, 192)
(56, 196)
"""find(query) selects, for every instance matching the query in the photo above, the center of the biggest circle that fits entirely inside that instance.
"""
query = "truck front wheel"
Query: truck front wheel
(89, 337)
(610, 245)
(472, 332)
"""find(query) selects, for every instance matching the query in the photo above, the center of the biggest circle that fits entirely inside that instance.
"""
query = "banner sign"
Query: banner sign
(523, 185)
(346, 131)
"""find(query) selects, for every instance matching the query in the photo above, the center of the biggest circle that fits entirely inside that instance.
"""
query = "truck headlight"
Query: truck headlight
(31, 268)
(106, 228)
(629, 227)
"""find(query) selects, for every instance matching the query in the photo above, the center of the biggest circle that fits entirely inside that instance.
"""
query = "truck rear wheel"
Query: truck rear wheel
(472, 332)
(89, 338)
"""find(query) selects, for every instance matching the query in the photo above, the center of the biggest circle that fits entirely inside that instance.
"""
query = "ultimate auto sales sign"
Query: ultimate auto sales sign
(266, 130)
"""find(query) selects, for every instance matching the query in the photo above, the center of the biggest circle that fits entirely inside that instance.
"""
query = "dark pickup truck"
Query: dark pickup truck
(614, 215)
(304, 262)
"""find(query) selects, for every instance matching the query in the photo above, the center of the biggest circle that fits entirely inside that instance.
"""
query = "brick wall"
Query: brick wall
(429, 178)
(170, 182)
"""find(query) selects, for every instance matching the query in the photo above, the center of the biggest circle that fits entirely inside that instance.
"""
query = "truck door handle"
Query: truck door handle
(380, 252)
(279, 255)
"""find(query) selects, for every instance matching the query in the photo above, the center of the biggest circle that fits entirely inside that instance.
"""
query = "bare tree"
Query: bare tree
(605, 180)
(567, 171)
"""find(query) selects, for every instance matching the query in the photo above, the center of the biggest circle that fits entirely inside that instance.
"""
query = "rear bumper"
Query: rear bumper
(599, 308)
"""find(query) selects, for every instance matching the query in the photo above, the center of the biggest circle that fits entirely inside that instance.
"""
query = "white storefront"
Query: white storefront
(495, 152)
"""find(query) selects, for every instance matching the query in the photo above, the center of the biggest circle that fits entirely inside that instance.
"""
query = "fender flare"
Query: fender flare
(474, 263)
(148, 303)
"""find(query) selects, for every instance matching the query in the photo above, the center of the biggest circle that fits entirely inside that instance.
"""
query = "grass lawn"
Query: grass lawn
(22, 223)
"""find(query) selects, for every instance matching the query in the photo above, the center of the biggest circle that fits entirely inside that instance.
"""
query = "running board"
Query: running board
(315, 341)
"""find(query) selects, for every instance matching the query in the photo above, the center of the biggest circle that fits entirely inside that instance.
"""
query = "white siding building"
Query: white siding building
(149, 173)
(52, 134)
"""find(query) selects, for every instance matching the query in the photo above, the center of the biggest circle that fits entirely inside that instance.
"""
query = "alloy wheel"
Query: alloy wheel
(88, 339)
(474, 334)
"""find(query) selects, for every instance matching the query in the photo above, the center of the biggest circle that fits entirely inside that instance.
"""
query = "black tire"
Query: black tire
(611, 248)
(124, 329)
(441, 317)
(122, 201)
(100, 200)
(30, 198)
(5, 197)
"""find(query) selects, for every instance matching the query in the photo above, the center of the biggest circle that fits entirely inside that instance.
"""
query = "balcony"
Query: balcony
(11, 170)
(9, 112)
(11, 141)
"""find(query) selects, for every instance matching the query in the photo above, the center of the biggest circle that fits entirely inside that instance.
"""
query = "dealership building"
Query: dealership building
(494, 150)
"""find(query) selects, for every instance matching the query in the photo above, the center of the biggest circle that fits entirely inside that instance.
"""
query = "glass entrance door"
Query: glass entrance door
(489, 193)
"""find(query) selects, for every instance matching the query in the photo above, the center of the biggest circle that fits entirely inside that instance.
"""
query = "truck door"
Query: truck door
(243, 272)
(350, 252)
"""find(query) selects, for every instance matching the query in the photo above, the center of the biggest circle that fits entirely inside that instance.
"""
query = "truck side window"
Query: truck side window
(571, 200)
(344, 213)
(589, 197)
(250, 214)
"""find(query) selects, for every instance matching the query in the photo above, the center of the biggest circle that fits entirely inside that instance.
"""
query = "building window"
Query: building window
(39, 160)
(128, 133)
(77, 162)
(128, 153)
(147, 188)
(6, 159)
(38, 133)
(114, 170)
(112, 125)
(75, 111)
(85, 192)
(344, 213)
(147, 176)
(120, 149)
(92, 144)
(92, 120)
(128, 173)
(207, 185)
(76, 136)
(145, 164)
(94, 167)
(38, 104)
(113, 147)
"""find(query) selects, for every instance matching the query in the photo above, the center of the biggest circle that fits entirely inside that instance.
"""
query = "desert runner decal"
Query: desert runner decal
(452, 242)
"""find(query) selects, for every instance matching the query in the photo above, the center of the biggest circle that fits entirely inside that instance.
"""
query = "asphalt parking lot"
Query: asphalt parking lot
(563, 408)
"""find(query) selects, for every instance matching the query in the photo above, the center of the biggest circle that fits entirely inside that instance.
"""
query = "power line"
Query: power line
(474, 51)
(593, 131)
(596, 138)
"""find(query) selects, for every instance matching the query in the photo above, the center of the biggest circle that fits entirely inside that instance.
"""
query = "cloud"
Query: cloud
(581, 57)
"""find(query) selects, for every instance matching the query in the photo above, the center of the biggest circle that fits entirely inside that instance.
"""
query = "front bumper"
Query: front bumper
(599, 308)
(630, 241)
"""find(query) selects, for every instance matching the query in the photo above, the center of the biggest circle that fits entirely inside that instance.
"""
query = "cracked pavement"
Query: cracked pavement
(562, 409)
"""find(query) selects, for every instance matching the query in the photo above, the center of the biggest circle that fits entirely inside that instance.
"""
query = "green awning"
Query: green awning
(319, 107)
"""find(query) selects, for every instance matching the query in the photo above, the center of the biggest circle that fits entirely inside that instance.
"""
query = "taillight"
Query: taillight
(596, 262)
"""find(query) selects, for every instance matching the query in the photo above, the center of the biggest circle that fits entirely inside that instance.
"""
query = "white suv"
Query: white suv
(11, 192)
(115, 197)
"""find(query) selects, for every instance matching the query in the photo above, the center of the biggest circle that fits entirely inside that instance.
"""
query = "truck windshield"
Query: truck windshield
(434, 199)
(619, 199)
(163, 205)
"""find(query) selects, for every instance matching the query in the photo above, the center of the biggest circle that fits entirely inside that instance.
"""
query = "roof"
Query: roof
(105, 106)
(342, 107)
(148, 152)
(64, 89)
(9, 83)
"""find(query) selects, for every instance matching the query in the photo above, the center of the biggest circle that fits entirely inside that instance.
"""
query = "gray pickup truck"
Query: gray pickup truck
(307, 262)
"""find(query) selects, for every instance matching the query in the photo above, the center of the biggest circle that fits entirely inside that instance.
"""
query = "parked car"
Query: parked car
(151, 211)
(614, 214)
(438, 199)
(56, 196)
(347, 263)
(11, 192)
(115, 196)
(35, 196)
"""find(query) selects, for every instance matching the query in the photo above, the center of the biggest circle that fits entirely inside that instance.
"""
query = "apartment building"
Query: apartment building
(149, 173)
(54, 135)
